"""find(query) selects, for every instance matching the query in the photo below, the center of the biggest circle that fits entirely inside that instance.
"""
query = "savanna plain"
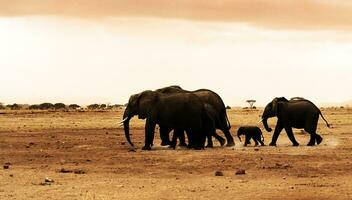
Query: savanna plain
(84, 155)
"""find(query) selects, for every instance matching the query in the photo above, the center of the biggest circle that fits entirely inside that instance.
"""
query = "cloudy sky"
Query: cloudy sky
(78, 51)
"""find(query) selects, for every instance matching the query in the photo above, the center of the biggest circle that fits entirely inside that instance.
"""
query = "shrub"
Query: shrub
(34, 107)
(14, 106)
(74, 106)
(93, 106)
(59, 106)
(46, 106)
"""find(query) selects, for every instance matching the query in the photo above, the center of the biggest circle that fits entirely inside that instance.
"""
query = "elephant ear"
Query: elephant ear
(146, 102)
(274, 104)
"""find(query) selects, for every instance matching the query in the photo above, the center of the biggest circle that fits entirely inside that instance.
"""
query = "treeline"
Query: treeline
(59, 106)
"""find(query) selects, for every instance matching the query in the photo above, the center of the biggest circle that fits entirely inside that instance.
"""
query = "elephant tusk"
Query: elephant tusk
(259, 121)
(121, 122)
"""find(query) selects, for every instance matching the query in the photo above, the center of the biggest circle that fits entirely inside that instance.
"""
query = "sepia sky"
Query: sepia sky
(78, 51)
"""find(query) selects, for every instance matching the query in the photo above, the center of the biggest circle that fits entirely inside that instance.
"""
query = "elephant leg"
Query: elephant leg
(149, 134)
(261, 142)
(291, 136)
(318, 138)
(247, 138)
(311, 128)
(177, 133)
(311, 140)
(210, 142)
(181, 137)
(276, 134)
(164, 136)
(219, 138)
(255, 141)
(314, 137)
(201, 136)
(190, 138)
(229, 138)
(198, 140)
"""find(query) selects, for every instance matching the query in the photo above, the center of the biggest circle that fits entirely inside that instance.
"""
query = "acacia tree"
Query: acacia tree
(59, 106)
(74, 106)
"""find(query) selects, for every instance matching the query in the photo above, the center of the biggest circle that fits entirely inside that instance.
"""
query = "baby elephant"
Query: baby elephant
(251, 132)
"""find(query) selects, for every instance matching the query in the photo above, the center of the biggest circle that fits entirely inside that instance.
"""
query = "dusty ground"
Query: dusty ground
(39, 144)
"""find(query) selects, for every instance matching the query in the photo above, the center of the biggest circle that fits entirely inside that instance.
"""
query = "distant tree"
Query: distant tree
(59, 106)
(46, 106)
(2, 107)
(34, 107)
(103, 106)
(74, 106)
(228, 107)
(93, 106)
(14, 106)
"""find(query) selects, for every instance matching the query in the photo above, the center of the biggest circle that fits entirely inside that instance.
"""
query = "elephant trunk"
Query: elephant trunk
(126, 126)
(238, 135)
(265, 123)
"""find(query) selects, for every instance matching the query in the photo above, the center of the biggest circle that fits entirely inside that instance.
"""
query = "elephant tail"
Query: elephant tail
(327, 124)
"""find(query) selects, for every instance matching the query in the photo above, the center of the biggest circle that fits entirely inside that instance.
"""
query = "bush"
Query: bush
(46, 106)
(59, 106)
(34, 107)
(74, 106)
(103, 106)
(14, 106)
(93, 106)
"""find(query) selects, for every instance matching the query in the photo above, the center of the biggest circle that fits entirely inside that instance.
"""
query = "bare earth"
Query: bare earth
(92, 150)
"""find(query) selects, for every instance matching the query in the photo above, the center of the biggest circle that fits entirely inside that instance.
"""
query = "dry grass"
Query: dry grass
(39, 144)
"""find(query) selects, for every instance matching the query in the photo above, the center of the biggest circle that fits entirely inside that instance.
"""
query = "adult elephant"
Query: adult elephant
(179, 111)
(296, 113)
(213, 99)
(208, 125)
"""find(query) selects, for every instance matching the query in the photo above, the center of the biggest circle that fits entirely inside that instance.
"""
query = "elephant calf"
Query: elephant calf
(251, 132)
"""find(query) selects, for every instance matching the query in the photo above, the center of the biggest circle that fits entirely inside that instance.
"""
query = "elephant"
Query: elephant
(208, 126)
(251, 132)
(179, 111)
(295, 113)
(213, 99)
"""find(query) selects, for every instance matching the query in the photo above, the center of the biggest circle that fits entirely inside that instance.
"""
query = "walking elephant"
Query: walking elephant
(219, 111)
(251, 132)
(296, 113)
(179, 111)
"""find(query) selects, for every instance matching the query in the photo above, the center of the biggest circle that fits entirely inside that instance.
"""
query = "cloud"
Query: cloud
(279, 14)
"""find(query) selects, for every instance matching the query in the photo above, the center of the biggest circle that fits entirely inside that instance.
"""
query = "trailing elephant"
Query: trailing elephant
(251, 132)
(219, 110)
(179, 111)
(296, 113)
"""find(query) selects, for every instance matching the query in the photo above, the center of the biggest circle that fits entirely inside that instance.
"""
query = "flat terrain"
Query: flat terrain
(86, 157)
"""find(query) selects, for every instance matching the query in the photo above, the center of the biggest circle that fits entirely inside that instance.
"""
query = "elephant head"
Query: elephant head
(139, 104)
(271, 110)
(239, 133)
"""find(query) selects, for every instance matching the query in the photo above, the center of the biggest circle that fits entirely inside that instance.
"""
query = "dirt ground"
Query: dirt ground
(86, 156)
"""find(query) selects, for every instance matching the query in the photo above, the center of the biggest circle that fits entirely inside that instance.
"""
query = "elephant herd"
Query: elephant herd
(199, 113)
